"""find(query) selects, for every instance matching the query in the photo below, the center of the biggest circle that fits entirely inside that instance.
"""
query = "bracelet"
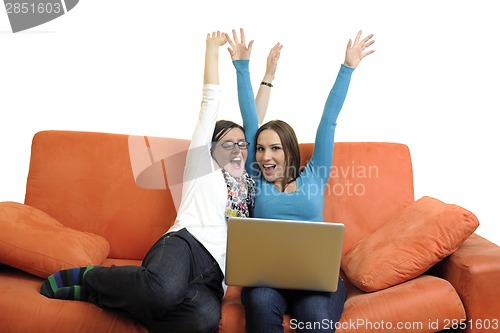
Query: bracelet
(266, 84)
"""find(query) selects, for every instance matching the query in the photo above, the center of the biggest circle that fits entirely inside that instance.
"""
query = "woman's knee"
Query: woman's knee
(206, 312)
(318, 306)
(257, 296)
(263, 300)
(207, 320)
(163, 295)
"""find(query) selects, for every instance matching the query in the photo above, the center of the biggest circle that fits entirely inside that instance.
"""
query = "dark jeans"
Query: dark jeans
(177, 289)
(310, 311)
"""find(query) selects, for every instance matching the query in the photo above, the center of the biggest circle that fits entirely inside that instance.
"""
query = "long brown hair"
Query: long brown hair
(290, 146)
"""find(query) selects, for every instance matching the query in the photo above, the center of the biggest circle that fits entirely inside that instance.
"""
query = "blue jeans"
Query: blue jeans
(310, 311)
(178, 288)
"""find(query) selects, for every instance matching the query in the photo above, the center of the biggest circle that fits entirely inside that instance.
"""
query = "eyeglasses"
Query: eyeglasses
(229, 145)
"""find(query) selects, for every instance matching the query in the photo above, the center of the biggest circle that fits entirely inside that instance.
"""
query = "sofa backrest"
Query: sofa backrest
(126, 188)
(86, 181)
(369, 182)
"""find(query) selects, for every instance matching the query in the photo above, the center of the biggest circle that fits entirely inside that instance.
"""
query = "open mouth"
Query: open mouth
(268, 168)
(236, 162)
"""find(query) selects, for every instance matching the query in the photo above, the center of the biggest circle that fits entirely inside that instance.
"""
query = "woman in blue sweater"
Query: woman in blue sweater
(285, 191)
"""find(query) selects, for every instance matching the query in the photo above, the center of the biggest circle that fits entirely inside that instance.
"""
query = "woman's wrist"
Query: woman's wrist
(268, 78)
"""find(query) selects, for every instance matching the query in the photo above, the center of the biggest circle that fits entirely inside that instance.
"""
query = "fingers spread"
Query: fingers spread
(235, 37)
(229, 40)
(242, 33)
(358, 36)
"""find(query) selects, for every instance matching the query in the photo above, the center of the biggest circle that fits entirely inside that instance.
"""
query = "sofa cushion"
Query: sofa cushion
(424, 304)
(412, 241)
(104, 197)
(34, 242)
(24, 309)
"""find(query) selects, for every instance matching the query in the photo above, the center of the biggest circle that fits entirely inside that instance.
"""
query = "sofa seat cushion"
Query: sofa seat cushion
(29, 311)
(417, 237)
(35, 242)
(424, 304)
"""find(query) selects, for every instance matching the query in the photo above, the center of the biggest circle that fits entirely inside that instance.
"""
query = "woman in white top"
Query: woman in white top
(179, 286)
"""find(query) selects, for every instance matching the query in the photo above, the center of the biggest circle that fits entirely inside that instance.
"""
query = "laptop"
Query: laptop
(285, 254)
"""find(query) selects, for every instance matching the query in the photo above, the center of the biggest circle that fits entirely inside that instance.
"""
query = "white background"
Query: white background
(135, 67)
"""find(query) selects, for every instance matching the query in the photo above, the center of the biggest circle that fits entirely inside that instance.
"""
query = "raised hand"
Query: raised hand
(272, 61)
(356, 50)
(238, 50)
(213, 41)
(264, 93)
(217, 38)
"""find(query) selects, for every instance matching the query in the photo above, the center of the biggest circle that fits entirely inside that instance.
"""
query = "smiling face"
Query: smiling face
(233, 160)
(270, 155)
(277, 153)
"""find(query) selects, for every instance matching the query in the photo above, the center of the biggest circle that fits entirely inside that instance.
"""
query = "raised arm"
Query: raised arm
(240, 51)
(240, 54)
(264, 92)
(213, 42)
(202, 134)
(355, 52)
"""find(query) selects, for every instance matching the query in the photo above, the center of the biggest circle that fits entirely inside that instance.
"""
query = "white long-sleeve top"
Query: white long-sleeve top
(204, 191)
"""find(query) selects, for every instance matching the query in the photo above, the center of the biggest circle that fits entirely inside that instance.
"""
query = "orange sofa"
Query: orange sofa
(103, 199)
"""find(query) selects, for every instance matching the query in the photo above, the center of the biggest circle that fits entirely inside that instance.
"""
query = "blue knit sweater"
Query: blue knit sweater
(306, 203)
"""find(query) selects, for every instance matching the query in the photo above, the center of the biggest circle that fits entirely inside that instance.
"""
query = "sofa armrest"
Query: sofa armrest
(474, 271)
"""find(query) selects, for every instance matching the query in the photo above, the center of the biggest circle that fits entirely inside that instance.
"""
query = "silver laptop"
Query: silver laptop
(283, 253)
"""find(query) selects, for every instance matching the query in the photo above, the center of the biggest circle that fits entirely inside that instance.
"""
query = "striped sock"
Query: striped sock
(64, 278)
(76, 293)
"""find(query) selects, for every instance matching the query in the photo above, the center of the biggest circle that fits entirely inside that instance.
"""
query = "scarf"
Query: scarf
(240, 194)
